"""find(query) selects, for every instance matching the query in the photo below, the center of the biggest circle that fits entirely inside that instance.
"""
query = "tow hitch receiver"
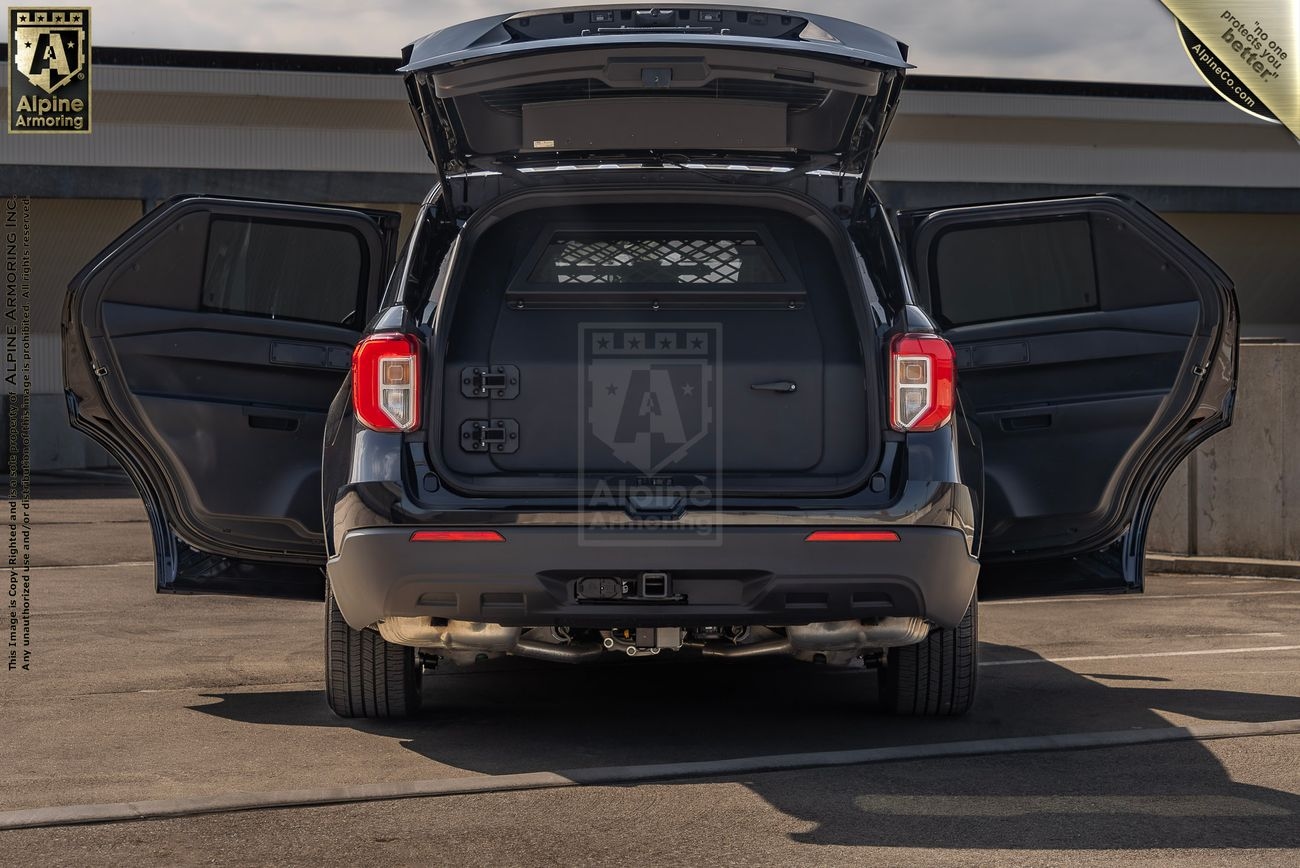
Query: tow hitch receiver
(654, 586)
(657, 586)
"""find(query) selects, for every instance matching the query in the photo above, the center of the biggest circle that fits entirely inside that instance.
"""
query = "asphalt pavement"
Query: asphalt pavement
(136, 697)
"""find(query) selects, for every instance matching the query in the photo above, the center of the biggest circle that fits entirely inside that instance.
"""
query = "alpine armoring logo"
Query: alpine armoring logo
(651, 421)
(49, 70)
(650, 392)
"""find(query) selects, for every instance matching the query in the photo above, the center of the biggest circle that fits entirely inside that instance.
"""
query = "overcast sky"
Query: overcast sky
(1100, 40)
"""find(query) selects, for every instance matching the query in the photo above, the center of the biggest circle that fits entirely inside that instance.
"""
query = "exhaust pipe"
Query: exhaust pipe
(473, 638)
(755, 649)
(556, 653)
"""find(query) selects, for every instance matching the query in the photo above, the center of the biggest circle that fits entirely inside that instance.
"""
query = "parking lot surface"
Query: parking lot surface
(136, 696)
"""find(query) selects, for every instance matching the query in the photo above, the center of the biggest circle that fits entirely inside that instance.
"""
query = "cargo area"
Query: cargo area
(703, 344)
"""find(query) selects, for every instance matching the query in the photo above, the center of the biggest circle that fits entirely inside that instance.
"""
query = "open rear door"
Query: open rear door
(1096, 347)
(203, 349)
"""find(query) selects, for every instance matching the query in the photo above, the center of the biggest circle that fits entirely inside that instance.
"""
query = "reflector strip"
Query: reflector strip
(457, 536)
(852, 536)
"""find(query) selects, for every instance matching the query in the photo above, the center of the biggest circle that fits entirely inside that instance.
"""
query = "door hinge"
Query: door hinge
(490, 381)
(490, 435)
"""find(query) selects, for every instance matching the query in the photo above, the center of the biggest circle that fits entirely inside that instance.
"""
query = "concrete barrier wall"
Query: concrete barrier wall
(1239, 494)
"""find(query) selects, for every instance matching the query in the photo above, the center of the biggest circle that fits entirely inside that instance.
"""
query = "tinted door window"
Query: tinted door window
(284, 270)
(1013, 269)
(1003, 271)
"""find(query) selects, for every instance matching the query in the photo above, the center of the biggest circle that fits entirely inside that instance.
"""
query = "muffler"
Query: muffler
(474, 636)
(856, 635)
(466, 640)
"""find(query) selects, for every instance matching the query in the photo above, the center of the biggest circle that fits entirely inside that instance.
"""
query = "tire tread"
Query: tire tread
(366, 676)
(937, 676)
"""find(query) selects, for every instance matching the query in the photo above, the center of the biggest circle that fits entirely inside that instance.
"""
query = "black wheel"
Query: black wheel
(366, 676)
(936, 677)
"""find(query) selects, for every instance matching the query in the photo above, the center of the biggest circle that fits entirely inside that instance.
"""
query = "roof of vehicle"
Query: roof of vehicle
(572, 26)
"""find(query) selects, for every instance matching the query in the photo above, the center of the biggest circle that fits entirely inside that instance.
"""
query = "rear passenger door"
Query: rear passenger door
(1096, 347)
(203, 349)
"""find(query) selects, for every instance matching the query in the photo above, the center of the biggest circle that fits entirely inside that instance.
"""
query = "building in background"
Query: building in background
(339, 130)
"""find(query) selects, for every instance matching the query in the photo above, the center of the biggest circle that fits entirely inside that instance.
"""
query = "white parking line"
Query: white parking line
(69, 815)
(930, 805)
(1099, 598)
(92, 566)
(1135, 656)
(1215, 578)
(1225, 635)
(1241, 580)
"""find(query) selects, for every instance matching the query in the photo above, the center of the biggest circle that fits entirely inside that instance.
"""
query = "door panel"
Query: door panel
(203, 348)
(231, 418)
(1086, 332)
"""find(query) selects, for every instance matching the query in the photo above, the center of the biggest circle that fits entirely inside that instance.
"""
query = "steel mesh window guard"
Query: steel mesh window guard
(571, 259)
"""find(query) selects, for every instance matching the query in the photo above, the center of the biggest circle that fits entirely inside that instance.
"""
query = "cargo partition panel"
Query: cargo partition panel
(713, 346)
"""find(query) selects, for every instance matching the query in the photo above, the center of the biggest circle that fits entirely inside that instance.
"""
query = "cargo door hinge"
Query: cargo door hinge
(498, 436)
(490, 381)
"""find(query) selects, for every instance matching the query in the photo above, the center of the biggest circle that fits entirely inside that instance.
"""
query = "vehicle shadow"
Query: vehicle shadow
(517, 716)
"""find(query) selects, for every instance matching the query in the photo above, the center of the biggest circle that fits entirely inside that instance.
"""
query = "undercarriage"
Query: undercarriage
(830, 642)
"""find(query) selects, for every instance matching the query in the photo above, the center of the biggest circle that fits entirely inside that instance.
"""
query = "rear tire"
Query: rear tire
(365, 676)
(935, 677)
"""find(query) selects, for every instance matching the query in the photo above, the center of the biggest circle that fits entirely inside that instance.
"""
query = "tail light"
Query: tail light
(385, 379)
(922, 374)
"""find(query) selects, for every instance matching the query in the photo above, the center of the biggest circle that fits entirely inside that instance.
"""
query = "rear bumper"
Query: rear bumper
(746, 576)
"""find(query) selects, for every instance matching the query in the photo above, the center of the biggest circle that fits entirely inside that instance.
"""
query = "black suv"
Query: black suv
(654, 370)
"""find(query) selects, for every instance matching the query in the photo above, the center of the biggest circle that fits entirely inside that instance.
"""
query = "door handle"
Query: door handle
(310, 356)
(1036, 422)
(272, 420)
(775, 386)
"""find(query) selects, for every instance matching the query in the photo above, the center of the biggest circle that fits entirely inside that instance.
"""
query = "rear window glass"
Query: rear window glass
(576, 258)
(1003, 271)
(284, 270)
